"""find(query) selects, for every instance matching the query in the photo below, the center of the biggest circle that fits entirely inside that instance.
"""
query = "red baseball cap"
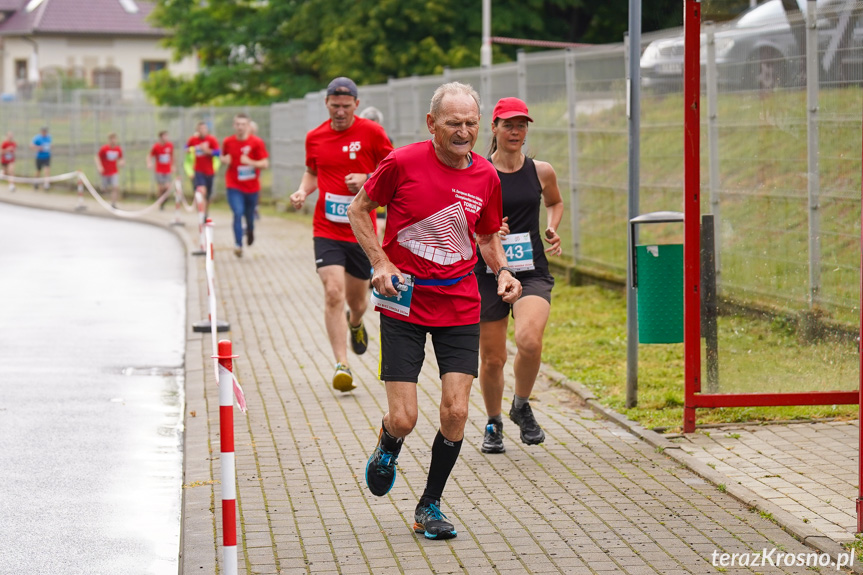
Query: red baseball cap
(510, 108)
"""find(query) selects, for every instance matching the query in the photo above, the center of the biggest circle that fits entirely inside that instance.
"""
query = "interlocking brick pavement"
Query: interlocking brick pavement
(592, 499)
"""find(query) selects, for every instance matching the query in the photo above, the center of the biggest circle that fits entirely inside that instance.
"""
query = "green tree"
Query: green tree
(258, 51)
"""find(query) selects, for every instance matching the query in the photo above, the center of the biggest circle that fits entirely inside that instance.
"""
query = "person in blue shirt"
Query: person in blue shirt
(42, 145)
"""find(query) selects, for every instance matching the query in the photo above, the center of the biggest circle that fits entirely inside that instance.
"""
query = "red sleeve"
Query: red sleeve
(226, 148)
(492, 214)
(120, 150)
(102, 152)
(190, 142)
(153, 150)
(311, 164)
(214, 143)
(382, 185)
(263, 149)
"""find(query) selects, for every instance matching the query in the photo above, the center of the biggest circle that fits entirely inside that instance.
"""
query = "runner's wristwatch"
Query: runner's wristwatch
(503, 269)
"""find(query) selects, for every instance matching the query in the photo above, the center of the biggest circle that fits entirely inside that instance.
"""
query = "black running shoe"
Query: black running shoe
(431, 522)
(359, 337)
(381, 469)
(493, 440)
(531, 432)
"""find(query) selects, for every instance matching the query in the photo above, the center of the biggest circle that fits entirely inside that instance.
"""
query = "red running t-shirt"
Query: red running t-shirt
(109, 155)
(332, 155)
(203, 162)
(7, 152)
(433, 212)
(238, 176)
(164, 155)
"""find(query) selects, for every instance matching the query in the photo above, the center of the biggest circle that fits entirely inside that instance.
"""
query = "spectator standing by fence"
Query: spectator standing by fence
(109, 160)
(7, 157)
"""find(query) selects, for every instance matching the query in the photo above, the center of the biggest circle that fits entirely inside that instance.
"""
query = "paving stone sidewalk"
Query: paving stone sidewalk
(592, 499)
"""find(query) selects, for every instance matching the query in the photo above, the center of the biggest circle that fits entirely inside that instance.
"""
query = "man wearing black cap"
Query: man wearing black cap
(341, 154)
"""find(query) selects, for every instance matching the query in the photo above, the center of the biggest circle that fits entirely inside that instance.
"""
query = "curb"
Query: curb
(788, 522)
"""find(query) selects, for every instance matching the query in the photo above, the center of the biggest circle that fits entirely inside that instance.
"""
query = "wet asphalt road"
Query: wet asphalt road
(91, 348)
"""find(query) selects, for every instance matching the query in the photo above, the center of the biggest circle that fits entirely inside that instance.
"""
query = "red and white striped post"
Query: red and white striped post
(199, 203)
(229, 484)
(80, 206)
(211, 324)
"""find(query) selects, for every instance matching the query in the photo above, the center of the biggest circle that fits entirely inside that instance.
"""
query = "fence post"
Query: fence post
(417, 113)
(632, 53)
(713, 144)
(521, 62)
(392, 114)
(812, 154)
(573, 156)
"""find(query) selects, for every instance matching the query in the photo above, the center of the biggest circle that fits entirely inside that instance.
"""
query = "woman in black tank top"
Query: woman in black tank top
(524, 184)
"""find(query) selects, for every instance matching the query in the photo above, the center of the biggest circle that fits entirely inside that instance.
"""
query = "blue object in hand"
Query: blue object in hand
(397, 285)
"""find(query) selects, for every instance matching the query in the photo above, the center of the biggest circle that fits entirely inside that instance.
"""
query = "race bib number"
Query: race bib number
(164, 158)
(46, 147)
(245, 173)
(8, 156)
(199, 151)
(399, 303)
(336, 207)
(519, 252)
(112, 155)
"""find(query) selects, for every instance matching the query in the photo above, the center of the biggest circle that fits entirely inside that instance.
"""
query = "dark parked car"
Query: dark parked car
(761, 49)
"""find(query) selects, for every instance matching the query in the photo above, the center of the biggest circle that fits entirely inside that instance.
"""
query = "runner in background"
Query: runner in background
(245, 156)
(7, 157)
(341, 154)
(161, 157)
(525, 183)
(42, 144)
(108, 161)
(206, 148)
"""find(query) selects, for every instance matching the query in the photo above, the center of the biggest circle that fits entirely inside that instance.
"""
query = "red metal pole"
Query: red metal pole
(860, 368)
(691, 210)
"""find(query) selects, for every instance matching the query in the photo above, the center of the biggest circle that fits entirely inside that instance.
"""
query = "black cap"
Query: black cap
(342, 86)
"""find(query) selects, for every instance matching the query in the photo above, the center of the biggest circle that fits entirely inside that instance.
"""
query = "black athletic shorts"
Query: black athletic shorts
(456, 349)
(349, 255)
(494, 308)
(42, 163)
(202, 179)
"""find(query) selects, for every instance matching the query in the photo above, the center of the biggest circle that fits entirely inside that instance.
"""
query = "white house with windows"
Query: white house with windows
(108, 44)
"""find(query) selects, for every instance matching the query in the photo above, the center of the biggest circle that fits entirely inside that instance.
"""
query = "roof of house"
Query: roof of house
(79, 17)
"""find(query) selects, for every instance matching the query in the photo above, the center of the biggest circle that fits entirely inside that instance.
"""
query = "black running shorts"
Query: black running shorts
(494, 308)
(456, 349)
(349, 255)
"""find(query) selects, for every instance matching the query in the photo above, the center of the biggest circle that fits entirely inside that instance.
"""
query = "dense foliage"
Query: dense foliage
(258, 51)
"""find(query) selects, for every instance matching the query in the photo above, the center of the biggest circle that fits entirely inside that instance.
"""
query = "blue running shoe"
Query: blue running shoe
(381, 469)
(431, 522)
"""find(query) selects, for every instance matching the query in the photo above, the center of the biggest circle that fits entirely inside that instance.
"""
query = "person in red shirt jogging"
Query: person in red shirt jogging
(161, 158)
(206, 147)
(341, 154)
(108, 161)
(245, 155)
(438, 194)
(7, 158)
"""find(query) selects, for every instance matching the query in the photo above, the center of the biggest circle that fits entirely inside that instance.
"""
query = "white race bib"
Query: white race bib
(519, 252)
(112, 155)
(164, 158)
(8, 156)
(245, 173)
(399, 303)
(336, 207)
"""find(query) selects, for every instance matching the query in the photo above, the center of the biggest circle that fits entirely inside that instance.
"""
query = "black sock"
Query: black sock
(496, 419)
(444, 456)
(388, 442)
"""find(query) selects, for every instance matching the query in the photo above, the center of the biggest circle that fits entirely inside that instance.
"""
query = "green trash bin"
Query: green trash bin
(658, 277)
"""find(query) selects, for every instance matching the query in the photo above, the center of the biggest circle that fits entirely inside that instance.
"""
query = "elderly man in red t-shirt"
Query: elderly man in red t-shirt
(438, 194)
(341, 153)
